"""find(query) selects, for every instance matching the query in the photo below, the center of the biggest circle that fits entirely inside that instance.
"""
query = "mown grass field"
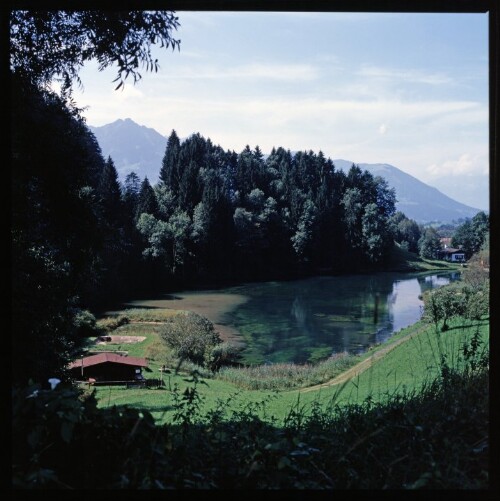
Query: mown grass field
(408, 366)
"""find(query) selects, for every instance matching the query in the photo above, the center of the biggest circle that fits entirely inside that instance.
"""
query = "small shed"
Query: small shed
(108, 367)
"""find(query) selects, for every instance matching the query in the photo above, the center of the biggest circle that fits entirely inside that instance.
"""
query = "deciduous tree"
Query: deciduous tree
(55, 44)
(429, 244)
(192, 337)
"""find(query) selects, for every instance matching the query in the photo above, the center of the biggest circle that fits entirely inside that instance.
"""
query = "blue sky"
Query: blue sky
(410, 90)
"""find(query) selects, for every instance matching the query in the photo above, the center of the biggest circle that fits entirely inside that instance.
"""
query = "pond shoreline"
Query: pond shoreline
(212, 306)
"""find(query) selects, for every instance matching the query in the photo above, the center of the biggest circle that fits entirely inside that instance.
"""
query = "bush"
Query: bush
(85, 324)
(223, 354)
(192, 337)
(470, 301)
(476, 275)
(436, 438)
(286, 376)
(444, 303)
(158, 352)
(478, 303)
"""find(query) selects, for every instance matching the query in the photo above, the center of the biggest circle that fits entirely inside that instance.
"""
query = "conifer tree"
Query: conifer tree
(131, 190)
(110, 194)
(169, 172)
(146, 203)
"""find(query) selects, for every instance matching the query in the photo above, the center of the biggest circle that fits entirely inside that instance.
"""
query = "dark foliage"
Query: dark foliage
(470, 235)
(52, 44)
(73, 237)
(56, 228)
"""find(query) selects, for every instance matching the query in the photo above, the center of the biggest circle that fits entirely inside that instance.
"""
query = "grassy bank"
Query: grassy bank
(407, 367)
(403, 260)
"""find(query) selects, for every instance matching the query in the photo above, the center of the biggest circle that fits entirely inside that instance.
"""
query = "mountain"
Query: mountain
(132, 147)
(417, 200)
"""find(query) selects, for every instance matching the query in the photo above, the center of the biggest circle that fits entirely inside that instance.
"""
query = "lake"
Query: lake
(307, 320)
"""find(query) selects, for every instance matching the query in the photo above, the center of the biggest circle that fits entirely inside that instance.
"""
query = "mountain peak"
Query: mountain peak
(133, 147)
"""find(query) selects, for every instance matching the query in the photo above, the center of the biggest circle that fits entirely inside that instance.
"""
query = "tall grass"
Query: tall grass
(285, 376)
(113, 320)
(151, 314)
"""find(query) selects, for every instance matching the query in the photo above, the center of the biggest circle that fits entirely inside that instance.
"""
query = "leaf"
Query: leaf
(283, 462)
(67, 431)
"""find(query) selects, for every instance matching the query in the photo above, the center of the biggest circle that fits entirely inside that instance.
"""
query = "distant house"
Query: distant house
(453, 255)
(445, 242)
(108, 367)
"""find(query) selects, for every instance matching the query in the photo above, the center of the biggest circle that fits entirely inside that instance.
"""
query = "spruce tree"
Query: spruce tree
(169, 172)
(146, 202)
(110, 194)
(131, 190)
(56, 232)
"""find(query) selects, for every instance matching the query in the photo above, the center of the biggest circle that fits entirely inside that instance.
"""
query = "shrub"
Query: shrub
(158, 352)
(223, 354)
(468, 300)
(85, 323)
(192, 337)
(436, 438)
(477, 305)
(286, 376)
(150, 314)
(444, 303)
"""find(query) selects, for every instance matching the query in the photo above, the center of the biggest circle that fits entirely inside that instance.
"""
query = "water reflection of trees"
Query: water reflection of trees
(344, 314)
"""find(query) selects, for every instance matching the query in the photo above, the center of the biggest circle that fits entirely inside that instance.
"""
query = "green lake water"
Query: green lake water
(308, 320)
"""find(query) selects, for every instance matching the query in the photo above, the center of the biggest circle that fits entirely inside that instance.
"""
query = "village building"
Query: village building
(453, 255)
(445, 242)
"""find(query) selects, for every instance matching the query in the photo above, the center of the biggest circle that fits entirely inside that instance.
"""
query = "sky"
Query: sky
(409, 90)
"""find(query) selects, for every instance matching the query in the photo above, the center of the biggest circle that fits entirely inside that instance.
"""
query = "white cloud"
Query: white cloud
(382, 129)
(127, 93)
(409, 76)
(260, 71)
(308, 120)
(466, 164)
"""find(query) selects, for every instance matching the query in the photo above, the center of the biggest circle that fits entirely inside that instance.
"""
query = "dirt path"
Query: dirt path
(122, 340)
(363, 365)
(147, 322)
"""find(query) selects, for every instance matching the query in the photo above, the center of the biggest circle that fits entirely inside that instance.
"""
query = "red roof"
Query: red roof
(449, 250)
(102, 358)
